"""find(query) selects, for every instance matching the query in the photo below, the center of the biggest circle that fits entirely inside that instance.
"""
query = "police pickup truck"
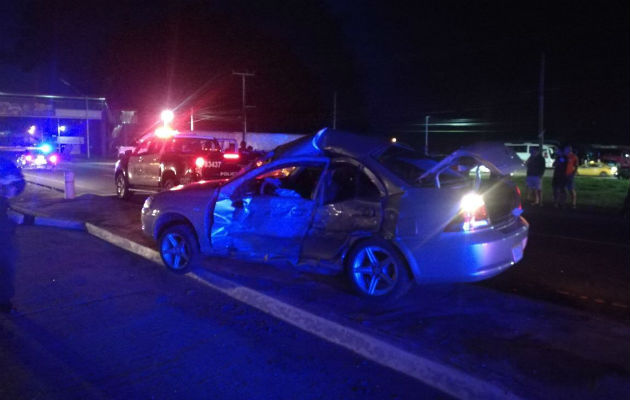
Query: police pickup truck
(160, 163)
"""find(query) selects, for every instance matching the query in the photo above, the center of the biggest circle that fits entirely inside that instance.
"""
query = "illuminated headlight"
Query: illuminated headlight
(613, 170)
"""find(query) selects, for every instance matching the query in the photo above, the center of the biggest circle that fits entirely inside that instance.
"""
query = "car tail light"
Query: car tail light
(231, 156)
(53, 159)
(200, 162)
(472, 214)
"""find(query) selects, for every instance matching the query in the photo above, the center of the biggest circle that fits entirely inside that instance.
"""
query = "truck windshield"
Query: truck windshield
(192, 145)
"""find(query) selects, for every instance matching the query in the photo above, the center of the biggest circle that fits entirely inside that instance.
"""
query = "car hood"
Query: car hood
(494, 155)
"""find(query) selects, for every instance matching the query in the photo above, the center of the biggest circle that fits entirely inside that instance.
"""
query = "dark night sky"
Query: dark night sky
(391, 63)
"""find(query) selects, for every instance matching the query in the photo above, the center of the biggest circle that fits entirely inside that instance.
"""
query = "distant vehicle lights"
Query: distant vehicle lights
(45, 148)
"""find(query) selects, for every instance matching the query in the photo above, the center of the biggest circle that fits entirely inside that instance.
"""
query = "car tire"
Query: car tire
(178, 248)
(122, 187)
(377, 271)
(603, 174)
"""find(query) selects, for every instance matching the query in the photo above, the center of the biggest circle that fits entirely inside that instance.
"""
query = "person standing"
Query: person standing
(559, 180)
(572, 165)
(535, 170)
(11, 184)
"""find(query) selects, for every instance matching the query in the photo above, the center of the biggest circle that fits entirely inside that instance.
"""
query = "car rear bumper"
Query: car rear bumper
(466, 256)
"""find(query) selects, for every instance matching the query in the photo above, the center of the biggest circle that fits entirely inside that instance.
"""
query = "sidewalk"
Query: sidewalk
(515, 345)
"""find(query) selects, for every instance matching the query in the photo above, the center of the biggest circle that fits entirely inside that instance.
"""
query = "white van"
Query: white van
(523, 151)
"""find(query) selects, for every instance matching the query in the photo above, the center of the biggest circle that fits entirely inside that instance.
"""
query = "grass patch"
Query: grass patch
(606, 194)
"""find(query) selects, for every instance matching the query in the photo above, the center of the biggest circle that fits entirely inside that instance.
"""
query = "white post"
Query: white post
(69, 185)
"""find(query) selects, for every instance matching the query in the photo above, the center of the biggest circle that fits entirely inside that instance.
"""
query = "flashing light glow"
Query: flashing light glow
(259, 163)
(45, 148)
(178, 187)
(32, 129)
(53, 159)
(164, 132)
(200, 162)
(167, 116)
(231, 156)
(62, 128)
(394, 140)
(29, 157)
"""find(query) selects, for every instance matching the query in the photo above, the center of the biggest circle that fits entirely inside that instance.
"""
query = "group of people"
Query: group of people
(564, 170)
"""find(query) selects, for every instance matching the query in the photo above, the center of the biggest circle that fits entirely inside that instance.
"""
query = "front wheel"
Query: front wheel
(122, 187)
(377, 271)
(178, 248)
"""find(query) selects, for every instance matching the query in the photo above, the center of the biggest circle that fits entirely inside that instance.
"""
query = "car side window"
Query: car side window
(346, 182)
(143, 148)
(155, 147)
(298, 181)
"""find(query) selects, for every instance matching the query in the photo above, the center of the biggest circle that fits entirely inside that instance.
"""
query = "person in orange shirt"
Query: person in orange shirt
(572, 165)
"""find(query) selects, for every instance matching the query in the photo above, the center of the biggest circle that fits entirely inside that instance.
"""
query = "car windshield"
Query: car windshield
(410, 165)
(192, 145)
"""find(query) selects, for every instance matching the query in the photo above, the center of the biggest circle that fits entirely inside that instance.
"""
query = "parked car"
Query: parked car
(595, 168)
(523, 150)
(379, 212)
(159, 163)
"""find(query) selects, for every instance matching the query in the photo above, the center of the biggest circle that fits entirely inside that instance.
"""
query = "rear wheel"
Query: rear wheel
(377, 271)
(169, 183)
(178, 248)
(122, 187)
(603, 174)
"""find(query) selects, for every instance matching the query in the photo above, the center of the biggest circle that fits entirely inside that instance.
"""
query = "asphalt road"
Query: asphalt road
(95, 177)
(125, 328)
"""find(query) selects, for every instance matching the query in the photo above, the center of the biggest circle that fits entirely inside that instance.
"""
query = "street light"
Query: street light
(167, 116)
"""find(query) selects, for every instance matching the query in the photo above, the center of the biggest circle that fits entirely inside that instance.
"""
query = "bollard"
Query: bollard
(69, 188)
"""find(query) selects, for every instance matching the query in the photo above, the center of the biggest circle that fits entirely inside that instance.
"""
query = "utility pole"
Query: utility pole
(334, 121)
(426, 135)
(541, 103)
(244, 75)
(87, 127)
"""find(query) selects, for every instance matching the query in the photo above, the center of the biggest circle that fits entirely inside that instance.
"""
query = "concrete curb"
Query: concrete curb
(440, 376)
(23, 217)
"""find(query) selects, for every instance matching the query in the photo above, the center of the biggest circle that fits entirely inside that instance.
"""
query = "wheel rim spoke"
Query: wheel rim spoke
(363, 270)
(371, 256)
(373, 283)
(387, 279)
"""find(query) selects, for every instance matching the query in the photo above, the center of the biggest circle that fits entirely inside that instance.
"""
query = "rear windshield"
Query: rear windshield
(410, 165)
(192, 145)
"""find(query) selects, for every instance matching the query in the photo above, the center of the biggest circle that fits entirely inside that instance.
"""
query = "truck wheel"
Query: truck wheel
(169, 183)
(122, 187)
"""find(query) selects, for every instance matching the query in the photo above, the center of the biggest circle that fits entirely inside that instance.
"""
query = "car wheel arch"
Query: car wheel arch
(170, 219)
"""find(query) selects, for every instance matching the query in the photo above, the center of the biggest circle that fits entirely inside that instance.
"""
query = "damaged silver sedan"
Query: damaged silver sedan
(336, 202)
